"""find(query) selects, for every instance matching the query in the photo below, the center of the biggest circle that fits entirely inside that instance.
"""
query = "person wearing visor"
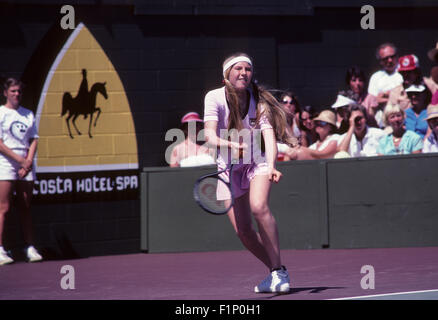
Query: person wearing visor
(415, 120)
(189, 153)
(342, 109)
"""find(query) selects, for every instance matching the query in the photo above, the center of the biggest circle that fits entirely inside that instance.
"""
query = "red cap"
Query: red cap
(191, 116)
(408, 63)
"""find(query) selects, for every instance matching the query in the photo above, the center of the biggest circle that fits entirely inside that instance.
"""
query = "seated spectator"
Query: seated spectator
(356, 80)
(342, 109)
(416, 116)
(327, 144)
(383, 81)
(431, 143)
(290, 103)
(360, 140)
(189, 153)
(400, 141)
(306, 125)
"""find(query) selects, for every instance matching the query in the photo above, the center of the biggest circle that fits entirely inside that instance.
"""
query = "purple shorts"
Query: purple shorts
(241, 177)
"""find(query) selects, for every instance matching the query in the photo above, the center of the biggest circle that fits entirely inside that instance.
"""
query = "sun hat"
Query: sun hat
(191, 116)
(415, 88)
(342, 101)
(408, 63)
(432, 111)
(432, 53)
(327, 116)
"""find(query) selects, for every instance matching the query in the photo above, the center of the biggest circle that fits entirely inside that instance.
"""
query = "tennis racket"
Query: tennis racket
(205, 192)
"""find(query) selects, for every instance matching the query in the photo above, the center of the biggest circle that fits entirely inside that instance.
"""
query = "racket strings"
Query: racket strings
(207, 192)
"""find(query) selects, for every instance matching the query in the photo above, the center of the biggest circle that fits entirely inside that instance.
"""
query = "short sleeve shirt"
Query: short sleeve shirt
(409, 143)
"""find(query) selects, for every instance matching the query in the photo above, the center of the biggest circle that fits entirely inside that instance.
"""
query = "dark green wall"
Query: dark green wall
(344, 203)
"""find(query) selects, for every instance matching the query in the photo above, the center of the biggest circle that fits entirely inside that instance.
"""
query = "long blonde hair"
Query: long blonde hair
(265, 101)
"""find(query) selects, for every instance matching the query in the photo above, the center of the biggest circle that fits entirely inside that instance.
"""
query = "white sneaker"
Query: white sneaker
(33, 255)
(4, 258)
(277, 282)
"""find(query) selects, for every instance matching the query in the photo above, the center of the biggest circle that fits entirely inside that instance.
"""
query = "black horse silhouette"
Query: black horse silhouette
(83, 104)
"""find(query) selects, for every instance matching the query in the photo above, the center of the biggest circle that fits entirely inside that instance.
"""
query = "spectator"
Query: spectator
(356, 80)
(308, 135)
(189, 153)
(327, 144)
(290, 103)
(18, 144)
(292, 107)
(342, 109)
(415, 120)
(360, 140)
(400, 141)
(384, 80)
(306, 125)
(431, 143)
(409, 68)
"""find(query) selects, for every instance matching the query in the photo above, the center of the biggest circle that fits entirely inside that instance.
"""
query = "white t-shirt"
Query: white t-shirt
(369, 144)
(216, 109)
(333, 137)
(430, 144)
(381, 81)
(17, 127)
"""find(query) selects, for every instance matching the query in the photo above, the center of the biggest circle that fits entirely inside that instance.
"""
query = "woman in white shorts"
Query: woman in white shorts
(238, 106)
(18, 144)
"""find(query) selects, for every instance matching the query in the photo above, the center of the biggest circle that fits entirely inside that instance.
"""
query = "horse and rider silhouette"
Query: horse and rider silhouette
(83, 104)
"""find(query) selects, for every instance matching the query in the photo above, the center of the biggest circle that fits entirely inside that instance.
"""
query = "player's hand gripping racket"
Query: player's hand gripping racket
(205, 192)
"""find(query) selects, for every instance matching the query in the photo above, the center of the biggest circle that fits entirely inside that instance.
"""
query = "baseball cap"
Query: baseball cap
(408, 63)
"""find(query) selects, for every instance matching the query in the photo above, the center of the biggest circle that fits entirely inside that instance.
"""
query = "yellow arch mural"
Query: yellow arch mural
(84, 119)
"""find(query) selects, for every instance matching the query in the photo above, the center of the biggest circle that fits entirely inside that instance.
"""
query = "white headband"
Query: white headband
(234, 61)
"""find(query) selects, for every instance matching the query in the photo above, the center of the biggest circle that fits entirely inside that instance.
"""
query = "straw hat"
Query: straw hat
(432, 111)
(327, 116)
(432, 53)
(342, 101)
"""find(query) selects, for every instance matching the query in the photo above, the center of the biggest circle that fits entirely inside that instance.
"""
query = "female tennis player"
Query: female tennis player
(243, 105)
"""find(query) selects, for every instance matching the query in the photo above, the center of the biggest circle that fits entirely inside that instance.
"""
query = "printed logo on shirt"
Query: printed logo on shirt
(18, 130)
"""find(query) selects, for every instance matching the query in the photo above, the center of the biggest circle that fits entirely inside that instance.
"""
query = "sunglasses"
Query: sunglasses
(321, 123)
(388, 57)
(287, 102)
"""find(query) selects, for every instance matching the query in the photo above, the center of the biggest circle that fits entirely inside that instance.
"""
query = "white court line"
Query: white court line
(386, 294)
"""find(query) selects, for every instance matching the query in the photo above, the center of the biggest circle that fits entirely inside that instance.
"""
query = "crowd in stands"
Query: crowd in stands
(395, 112)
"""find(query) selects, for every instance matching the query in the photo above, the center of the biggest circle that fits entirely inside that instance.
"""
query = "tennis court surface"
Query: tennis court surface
(399, 273)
